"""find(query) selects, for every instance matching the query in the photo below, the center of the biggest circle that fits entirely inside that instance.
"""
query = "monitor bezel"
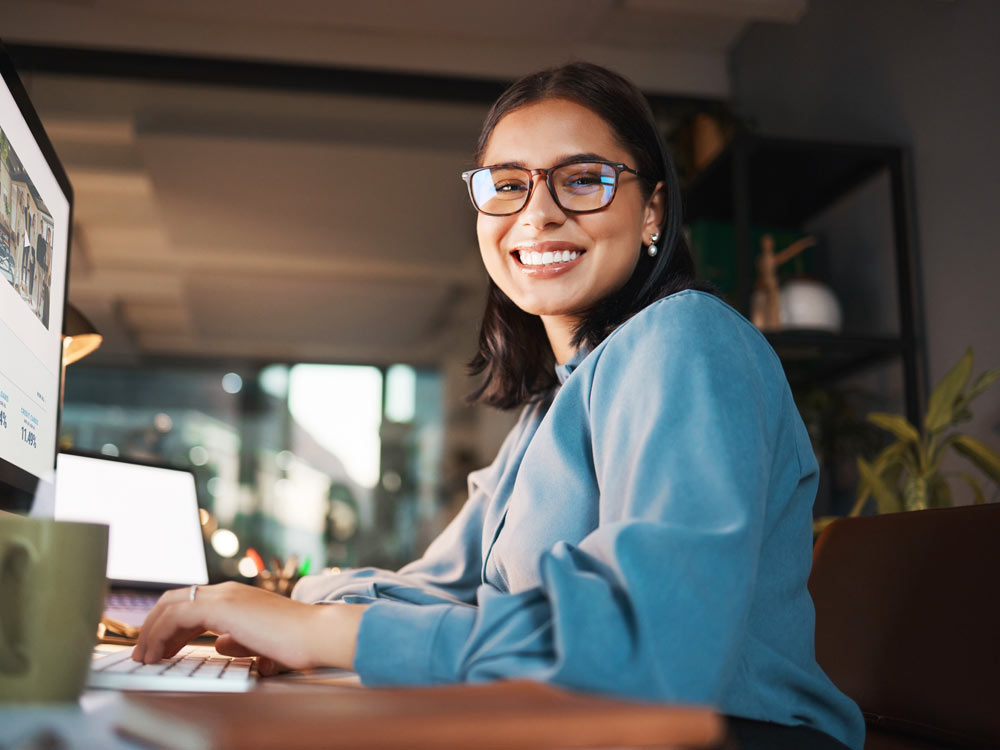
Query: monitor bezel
(18, 487)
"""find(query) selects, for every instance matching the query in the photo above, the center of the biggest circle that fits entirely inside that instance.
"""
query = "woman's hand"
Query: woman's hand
(282, 633)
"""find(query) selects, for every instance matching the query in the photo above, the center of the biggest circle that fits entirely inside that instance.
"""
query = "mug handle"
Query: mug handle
(15, 559)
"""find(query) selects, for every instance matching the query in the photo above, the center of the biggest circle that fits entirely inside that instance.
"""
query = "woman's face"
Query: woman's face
(607, 242)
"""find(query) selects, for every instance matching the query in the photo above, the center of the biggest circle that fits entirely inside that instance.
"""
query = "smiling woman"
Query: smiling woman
(539, 313)
(646, 528)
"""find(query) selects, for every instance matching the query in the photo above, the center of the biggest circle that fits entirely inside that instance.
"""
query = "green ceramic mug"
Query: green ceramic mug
(52, 587)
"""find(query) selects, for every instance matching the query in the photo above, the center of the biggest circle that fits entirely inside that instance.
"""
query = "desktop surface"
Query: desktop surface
(329, 708)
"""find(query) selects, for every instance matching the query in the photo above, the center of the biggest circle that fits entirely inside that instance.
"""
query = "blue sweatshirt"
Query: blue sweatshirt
(645, 531)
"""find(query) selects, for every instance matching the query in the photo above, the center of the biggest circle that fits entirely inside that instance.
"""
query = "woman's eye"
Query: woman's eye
(582, 181)
(509, 187)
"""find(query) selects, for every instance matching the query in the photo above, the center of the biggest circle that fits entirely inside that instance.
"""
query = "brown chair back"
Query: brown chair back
(908, 623)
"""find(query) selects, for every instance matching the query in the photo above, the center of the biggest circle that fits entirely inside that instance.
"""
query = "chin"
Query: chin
(546, 309)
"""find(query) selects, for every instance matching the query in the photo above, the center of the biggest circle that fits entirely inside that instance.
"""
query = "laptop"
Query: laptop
(154, 544)
(154, 539)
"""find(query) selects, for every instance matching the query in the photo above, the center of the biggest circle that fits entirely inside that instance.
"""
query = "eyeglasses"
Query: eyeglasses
(576, 186)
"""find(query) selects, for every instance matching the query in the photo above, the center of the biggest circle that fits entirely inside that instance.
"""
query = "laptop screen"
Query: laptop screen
(155, 532)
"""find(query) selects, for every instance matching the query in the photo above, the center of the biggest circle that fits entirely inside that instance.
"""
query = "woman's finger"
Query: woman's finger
(268, 667)
(170, 597)
(174, 625)
(226, 645)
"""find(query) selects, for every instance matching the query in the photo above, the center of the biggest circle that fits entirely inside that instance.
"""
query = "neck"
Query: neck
(559, 329)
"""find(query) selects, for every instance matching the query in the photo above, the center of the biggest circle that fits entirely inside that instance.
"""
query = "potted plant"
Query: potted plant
(907, 473)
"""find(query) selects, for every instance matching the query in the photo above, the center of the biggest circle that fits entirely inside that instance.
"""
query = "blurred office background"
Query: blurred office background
(272, 237)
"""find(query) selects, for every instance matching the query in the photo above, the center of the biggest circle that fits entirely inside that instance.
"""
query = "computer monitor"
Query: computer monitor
(35, 218)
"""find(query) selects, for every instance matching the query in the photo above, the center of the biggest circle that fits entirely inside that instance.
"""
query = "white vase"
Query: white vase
(808, 304)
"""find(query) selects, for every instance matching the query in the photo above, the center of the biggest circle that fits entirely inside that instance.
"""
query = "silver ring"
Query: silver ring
(194, 592)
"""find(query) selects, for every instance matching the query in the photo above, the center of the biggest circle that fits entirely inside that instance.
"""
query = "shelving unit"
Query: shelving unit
(764, 181)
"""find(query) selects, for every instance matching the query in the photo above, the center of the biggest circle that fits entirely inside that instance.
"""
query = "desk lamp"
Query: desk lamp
(79, 338)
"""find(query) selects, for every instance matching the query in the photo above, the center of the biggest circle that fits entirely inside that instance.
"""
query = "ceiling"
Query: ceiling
(247, 222)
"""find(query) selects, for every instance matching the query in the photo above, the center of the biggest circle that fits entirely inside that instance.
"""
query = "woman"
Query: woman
(646, 527)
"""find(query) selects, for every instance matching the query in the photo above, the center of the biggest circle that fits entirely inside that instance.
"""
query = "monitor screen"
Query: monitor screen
(35, 218)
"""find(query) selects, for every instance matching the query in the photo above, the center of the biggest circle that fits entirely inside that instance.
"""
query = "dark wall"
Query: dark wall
(924, 73)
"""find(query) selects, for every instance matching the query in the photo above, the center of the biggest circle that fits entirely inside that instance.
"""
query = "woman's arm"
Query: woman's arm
(253, 622)
(654, 603)
(292, 633)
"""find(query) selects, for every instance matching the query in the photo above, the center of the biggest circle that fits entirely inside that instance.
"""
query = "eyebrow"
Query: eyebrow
(588, 156)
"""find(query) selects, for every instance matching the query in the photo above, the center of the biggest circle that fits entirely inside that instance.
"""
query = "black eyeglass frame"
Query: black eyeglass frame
(617, 166)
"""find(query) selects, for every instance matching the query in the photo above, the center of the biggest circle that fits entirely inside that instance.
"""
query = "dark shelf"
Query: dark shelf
(780, 183)
(813, 358)
(789, 181)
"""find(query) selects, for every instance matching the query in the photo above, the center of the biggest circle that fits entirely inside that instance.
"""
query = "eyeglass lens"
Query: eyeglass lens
(581, 186)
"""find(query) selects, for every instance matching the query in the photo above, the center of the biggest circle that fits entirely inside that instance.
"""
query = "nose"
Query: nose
(541, 208)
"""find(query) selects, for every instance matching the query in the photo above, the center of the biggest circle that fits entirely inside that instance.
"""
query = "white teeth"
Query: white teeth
(532, 258)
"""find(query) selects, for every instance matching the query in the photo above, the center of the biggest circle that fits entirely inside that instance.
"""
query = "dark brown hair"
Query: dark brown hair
(514, 357)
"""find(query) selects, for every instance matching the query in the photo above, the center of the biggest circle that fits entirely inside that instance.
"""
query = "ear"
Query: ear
(653, 213)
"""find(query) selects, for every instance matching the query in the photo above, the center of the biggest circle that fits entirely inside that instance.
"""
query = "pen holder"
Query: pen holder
(279, 578)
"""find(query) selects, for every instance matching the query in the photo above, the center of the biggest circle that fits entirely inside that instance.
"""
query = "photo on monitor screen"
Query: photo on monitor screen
(26, 234)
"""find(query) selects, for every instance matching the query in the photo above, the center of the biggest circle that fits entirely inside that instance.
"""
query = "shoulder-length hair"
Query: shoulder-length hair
(514, 356)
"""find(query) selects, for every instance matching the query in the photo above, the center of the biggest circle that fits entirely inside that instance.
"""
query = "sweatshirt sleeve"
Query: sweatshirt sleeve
(654, 602)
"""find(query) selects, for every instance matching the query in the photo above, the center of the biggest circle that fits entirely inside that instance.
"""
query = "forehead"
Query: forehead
(546, 132)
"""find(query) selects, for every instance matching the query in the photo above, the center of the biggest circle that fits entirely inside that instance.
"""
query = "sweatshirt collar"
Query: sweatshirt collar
(565, 370)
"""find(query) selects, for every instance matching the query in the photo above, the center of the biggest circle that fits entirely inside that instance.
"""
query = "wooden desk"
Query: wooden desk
(330, 709)
(492, 717)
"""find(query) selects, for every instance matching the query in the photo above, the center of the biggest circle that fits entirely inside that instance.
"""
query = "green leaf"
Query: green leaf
(980, 454)
(942, 401)
(892, 475)
(908, 459)
(895, 424)
(981, 383)
(894, 455)
(887, 500)
(821, 523)
(961, 413)
(977, 490)
(861, 501)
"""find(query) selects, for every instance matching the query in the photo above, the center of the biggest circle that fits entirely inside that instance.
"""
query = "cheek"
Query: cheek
(482, 235)
(489, 231)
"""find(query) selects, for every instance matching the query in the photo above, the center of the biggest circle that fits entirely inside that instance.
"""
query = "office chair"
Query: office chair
(908, 624)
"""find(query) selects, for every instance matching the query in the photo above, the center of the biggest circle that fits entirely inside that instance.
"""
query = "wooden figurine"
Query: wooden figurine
(765, 307)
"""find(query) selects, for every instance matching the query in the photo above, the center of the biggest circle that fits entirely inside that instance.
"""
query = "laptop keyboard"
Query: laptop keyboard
(129, 608)
(192, 669)
(132, 601)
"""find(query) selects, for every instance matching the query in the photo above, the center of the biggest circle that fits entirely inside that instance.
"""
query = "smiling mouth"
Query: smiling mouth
(533, 258)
